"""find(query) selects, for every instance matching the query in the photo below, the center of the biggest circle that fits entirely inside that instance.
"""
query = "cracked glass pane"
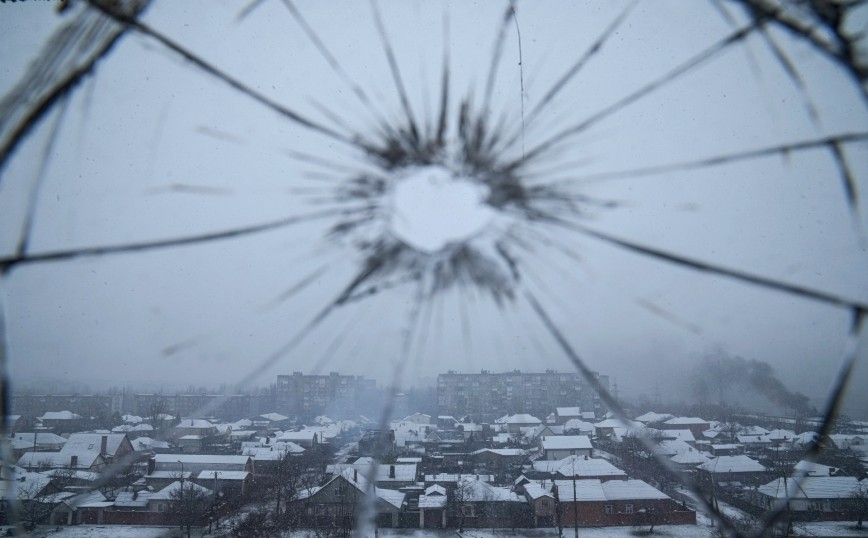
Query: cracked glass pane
(233, 193)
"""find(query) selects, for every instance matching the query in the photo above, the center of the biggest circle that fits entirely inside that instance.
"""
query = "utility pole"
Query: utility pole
(575, 502)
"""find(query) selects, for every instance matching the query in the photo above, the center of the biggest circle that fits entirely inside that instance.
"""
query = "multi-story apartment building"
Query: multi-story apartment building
(308, 395)
(487, 396)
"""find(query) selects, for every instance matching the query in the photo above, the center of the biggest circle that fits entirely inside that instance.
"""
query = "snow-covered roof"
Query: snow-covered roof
(506, 452)
(672, 447)
(303, 435)
(41, 438)
(781, 435)
(404, 472)
(545, 429)
(124, 428)
(174, 474)
(210, 474)
(686, 420)
(147, 443)
(59, 415)
(86, 476)
(129, 499)
(434, 497)
(566, 442)
(684, 435)
(449, 478)
(390, 496)
(651, 416)
(812, 487)
(167, 492)
(813, 469)
(274, 417)
(578, 424)
(194, 423)
(622, 490)
(521, 418)
(691, 457)
(55, 459)
(732, 464)
(435, 489)
(535, 490)
(473, 489)
(569, 411)
(578, 466)
(432, 501)
(200, 458)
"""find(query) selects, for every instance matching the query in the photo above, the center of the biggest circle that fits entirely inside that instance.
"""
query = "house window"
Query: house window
(467, 510)
(629, 509)
(609, 509)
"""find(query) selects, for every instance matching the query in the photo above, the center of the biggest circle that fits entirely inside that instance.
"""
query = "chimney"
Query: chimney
(103, 445)
(73, 461)
(152, 464)
(355, 475)
(391, 471)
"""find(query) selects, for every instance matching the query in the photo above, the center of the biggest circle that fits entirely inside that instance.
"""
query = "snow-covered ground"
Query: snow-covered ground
(117, 531)
(701, 530)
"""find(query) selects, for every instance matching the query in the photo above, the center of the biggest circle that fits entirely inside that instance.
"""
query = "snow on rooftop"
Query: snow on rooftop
(578, 466)
(732, 464)
(812, 487)
(630, 489)
(686, 420)
(521, 418)
(566, 442)
(59, 415)
(651, 416)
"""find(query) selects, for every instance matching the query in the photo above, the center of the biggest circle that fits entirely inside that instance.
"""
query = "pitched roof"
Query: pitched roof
(56, 459)
(686, 420)
(476, 490)
(732, 464)
(167, 492)
(59, 415)
(651, 416)
(689, 458)
(274, 417)
(521, 418)
(578, 466)
(812, 487)
(201, 458)
(357, 480)
(566, 442)
(91, 443)
(623, 490)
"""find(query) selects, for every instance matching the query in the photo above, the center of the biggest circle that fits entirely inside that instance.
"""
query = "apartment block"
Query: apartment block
(309, 395)
(486, 396)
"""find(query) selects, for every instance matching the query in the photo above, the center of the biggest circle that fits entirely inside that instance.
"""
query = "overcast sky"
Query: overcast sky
(152, 148)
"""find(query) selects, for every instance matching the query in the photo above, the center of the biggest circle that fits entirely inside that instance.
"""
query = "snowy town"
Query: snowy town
(297, 468)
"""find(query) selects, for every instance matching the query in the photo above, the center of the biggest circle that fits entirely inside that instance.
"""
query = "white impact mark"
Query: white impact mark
(433, 207)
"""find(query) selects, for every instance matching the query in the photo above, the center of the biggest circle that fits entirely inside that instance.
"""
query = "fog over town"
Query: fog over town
(468, 238)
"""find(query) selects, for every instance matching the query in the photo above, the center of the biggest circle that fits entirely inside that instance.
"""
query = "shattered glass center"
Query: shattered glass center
(433, 207)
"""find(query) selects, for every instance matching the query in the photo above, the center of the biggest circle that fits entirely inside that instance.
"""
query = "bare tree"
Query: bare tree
(157, 412)
(31, 510)
(857, 503)
(189, 504)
